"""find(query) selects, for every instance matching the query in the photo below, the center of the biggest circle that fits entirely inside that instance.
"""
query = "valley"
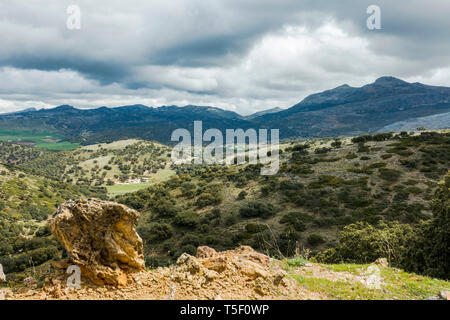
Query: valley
(323, 187)
(224, 150)
(337, 199)
(41, 140)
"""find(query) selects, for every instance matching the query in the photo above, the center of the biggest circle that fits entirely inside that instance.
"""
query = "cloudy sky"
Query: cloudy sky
(239, 55)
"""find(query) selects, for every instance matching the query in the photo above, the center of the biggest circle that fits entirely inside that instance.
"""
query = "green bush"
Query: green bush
(290, 185)
(287, 241)
(297, 220)
(315, 239)
(194, 239)
(242, 195)
(429, 250)
(351, 156)
(255, 227)
(230, 219)
(189, 249)
(155, 232)
(336, 144)
(257, 210)
(363, 243)
(296, 262)
(389, 175)
(322, 150)
(208, 199)
(188, 219)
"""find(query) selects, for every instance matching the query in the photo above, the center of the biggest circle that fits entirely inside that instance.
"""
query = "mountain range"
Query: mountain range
(341, 111)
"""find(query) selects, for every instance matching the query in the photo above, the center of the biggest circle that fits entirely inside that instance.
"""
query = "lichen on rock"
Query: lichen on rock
(100, 237)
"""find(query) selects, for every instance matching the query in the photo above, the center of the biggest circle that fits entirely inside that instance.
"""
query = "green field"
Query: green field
(42, 139)
(120, 189)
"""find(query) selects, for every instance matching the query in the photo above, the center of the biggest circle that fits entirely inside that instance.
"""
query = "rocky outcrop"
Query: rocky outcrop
(2, 275)
(256, 273)
(382, 262)
(239, 274)
(100, 237)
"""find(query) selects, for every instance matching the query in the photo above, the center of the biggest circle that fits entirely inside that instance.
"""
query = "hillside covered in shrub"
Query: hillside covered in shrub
(334, 200)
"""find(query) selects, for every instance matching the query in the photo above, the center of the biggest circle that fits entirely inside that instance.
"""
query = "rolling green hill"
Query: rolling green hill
(121, 166)
(324, 185)
(26, 201)
(326, 193)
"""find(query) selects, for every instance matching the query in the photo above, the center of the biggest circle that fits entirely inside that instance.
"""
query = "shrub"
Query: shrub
(290, 185)
(208, 199)
(255, 227)
(189, 249)
(411, 182)
(296, 262)
(257, 210)
(242, 195)
(164, 207)
(155, 232)
(390, 175)
(351, 156)
(192, 239)
(362, 147)
(188, 219)
(315, 239)
(230, 219)
(188, 189)
(322, 150)
(296, 220)
(300, 148)
(336, 144)
(287, 241)
(429, 251)
(363, 243)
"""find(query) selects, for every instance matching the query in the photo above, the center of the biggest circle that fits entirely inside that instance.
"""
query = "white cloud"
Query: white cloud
(233, 54)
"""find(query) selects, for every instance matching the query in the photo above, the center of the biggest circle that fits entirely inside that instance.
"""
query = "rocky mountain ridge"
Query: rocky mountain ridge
(343, 111)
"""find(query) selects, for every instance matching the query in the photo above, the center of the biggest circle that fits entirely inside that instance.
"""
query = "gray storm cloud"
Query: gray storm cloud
(239, 55)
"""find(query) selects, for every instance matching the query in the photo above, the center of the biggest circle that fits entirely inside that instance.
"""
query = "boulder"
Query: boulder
(247, 252)
(100, 237)
(2, 275)
(445, 295)
(205, 252)
(382, 262)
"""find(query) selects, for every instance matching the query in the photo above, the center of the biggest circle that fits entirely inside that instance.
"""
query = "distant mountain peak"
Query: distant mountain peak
(389, 81)
(64, 107)
(20, 111)
(263, 112)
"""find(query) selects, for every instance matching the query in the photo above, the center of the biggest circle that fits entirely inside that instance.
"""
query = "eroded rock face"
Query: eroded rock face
(100, 237)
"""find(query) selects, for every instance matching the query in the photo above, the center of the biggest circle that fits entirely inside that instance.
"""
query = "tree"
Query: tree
(429, 252)
(315, 239)
(363, 243)
(189, 219)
